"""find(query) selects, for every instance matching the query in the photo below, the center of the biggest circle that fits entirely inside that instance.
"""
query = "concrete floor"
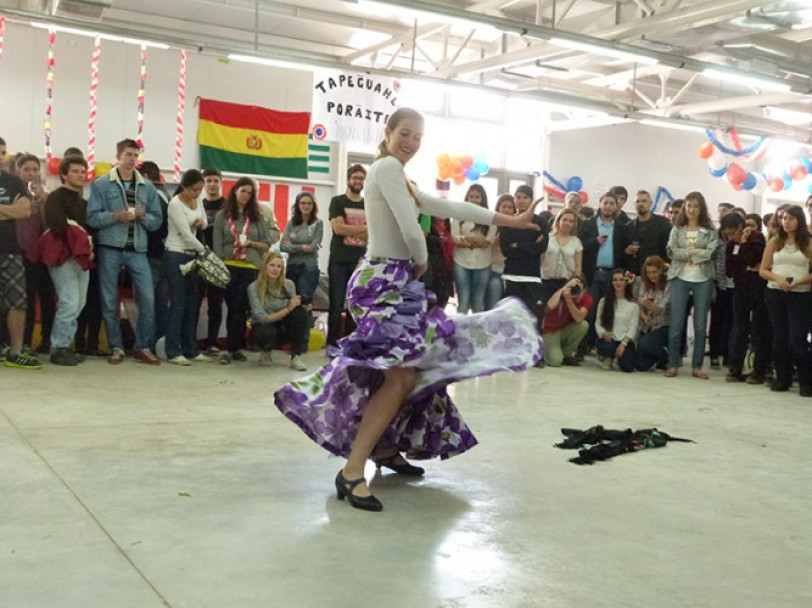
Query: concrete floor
(138, 486)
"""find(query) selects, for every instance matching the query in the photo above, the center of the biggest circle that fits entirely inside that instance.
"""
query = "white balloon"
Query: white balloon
(717, 160)
(761, 184)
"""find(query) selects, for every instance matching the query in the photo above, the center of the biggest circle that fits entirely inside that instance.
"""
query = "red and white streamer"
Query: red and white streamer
(179, 119)
(2, 33)
(91, 121)
(49, 94)
(142, 91)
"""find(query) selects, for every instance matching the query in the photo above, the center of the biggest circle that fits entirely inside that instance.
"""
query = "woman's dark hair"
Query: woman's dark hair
(297, 218)
(395, 119)
(731, 220)
(188, 179)
(481, 228)
(801, 231)
(704, 217)
(756, 218)
(252, 211)
(609, 301)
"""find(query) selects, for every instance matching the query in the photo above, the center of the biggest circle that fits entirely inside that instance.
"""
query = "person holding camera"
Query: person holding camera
(785, 265)
(301, 240)
(565, 323)
(277, 313)
(653, 299)
(616, 322)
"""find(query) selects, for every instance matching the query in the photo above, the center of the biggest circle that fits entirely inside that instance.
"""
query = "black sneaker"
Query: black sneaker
(62, 356)
(238, 356)
(22, 361)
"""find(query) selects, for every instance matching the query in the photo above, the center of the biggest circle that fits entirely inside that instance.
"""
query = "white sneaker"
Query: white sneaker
(180, 360)
(605, 362)
(297, 363)
(201, 358)
(265, 358)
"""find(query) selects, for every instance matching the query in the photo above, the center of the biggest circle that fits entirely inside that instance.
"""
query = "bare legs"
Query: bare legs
(381, 409)
(16, 327)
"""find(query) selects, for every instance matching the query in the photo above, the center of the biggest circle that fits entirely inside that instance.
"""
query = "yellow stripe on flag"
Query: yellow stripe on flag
(252, 142)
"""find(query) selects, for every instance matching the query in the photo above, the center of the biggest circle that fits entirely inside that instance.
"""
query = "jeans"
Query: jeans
(110, 263)
(305, 277)
(651, 349)
(90, 319)
(339, 274)
(564, 342)
(608, 348)
(214, 306)
(237, 302)
(494, 292)
(181, 324)
(791, 316)
(471, 285)
(70, 282)
(680, 292)
(751, 325)
(162, 296)
(294, 327)
(38, 286)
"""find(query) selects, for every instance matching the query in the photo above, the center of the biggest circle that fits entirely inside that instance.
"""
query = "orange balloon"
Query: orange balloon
(442, 159)
(706, 150)
(456, 166)
(444, 172)
(459, 179)
(467, 160)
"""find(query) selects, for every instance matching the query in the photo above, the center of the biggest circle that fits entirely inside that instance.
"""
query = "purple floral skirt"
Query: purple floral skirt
(397, 325)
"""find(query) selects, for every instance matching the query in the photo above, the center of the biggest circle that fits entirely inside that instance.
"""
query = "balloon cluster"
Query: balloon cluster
(559, 189)
(741, 178)
(460, 168)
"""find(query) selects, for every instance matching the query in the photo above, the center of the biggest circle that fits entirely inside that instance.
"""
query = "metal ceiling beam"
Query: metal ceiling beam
(731, 103)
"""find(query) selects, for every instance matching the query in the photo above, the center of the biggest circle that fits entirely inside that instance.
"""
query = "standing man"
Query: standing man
(621, 196)
(604, 240)
(648, 233)
(349, 242)
(66, 218)
(213, 203)
(123, 207)
(14, 205)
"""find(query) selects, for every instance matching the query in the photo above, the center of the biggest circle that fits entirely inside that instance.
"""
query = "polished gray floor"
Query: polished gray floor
(139, 486)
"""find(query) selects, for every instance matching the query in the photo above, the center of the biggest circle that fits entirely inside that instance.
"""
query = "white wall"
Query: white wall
(640, 157)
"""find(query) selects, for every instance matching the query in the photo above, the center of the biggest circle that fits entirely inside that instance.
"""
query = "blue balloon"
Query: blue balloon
(749, 182)
(806, 163)
(483, 168)
(575, 184)
(787, 180)
(472, 174)
(718, 172)
(810, 188)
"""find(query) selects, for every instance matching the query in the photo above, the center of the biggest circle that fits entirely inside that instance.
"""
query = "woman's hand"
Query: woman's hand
(294, 303)
(608, 336)
(307, 248)
(621, 348)
(785, 284)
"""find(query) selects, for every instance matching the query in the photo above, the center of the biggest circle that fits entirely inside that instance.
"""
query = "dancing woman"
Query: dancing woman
(385, 393)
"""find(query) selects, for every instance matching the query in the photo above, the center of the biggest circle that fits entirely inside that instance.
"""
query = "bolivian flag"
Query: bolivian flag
(254, 140)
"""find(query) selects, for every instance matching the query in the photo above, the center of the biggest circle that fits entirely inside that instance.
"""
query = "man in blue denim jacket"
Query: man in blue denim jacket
(123, 206)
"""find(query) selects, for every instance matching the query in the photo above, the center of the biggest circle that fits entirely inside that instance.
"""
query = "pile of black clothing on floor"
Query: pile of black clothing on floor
(608, 443)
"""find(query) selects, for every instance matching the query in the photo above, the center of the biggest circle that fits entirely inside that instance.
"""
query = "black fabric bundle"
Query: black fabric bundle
(608, 443)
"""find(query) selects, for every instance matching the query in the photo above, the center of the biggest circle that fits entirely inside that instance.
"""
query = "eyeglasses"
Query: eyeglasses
(357, 178)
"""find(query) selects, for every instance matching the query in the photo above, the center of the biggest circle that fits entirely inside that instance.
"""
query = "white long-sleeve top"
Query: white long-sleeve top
(181, 220)
(391, 213)
(476, 257)
(627, 320)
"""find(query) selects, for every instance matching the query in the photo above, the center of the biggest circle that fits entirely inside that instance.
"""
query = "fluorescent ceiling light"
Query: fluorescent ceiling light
(753, 81)
(603, 51)
(277, 63)
(89, 34)
(672, 125)
(789, 117)
(386, 9)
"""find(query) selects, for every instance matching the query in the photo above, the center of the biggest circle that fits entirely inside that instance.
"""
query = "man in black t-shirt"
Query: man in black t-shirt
(349, 242)
(648, 234)
(213, 203)
(14, 205)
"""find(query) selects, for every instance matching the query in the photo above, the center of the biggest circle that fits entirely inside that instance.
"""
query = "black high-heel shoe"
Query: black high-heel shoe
(402, 469)
(344, 488)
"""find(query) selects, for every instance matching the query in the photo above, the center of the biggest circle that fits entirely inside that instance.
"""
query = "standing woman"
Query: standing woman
(241, 238)
(302, 241)
(653, 300)
(185, 216)
(564, 255)
(692, 247)
(616, 324)
(385, 393)
(506, 205)
(277, 313)
(786, 266)
(472, 256)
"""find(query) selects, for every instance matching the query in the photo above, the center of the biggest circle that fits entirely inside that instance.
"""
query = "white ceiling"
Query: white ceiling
(506, 45)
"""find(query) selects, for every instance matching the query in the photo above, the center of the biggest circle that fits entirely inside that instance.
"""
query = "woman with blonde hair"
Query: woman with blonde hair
(277, 314)
(564, 255)
(386, 394)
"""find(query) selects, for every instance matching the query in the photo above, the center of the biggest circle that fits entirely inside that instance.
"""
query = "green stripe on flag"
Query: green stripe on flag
(317, 169)
(254, 165)
(313, 158)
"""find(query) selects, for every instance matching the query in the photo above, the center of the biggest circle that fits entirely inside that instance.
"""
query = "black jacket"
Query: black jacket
(589, 238)
(522, 248)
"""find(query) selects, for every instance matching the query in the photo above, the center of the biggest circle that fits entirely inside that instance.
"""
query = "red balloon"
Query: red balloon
(584, 197)
(736, 174)
(53, 165)
(467, 160)
(798, 172)
(777, 184)
(706, 150)
(456, 167)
